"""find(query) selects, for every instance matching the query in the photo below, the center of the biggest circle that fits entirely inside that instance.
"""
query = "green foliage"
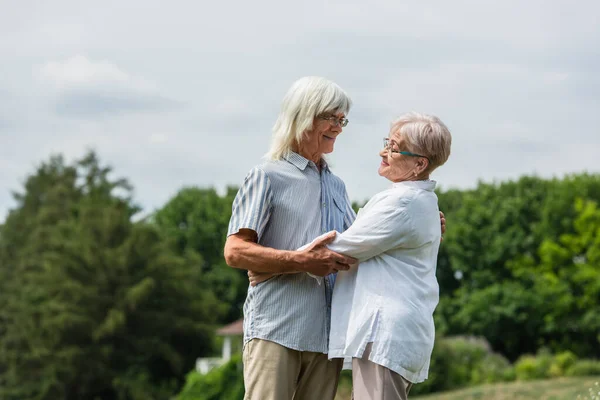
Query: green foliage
(528, 368)
(561, 363)
(93, 305)
(196, 221)
(223, 383)
(520, 265)
(584, 368)
(463, 361)
(544, 365)
(504, 313)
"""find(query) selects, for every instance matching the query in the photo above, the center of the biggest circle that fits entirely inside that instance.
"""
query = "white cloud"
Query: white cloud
(78, 70)
(555, 77)
(89, 89)
(158, 138)
(232, 105)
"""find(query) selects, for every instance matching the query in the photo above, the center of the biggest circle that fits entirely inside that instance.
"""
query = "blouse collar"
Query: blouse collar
(427, 184)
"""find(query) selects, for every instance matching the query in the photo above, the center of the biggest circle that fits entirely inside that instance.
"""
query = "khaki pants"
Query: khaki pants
(372, 381)
(274, 372)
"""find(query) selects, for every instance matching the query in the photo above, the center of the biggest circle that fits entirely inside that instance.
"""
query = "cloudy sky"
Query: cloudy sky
(186, 92)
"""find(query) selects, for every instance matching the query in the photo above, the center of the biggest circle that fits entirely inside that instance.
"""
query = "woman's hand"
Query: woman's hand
(258, 277)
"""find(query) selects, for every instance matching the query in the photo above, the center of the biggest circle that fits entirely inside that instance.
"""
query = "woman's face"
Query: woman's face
(321, 138)
(394, 166)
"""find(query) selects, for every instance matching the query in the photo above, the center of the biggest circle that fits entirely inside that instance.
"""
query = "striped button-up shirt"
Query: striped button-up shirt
(288, 203)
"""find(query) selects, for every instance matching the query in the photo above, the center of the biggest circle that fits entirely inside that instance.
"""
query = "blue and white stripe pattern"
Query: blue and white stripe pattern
(288, 203)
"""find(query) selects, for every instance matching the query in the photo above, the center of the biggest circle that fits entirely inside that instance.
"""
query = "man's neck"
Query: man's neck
(316, 158)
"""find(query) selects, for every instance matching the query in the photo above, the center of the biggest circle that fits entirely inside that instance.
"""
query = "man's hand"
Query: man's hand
(257, 277)
(443, 222)
(320, 261)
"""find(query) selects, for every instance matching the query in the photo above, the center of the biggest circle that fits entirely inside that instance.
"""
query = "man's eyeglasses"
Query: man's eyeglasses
(388, 144)
(335, 121)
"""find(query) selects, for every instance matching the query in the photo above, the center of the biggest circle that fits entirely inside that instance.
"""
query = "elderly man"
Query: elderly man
(285, 202)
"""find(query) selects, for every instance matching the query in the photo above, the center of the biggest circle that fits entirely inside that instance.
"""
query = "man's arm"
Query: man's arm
(242, 251)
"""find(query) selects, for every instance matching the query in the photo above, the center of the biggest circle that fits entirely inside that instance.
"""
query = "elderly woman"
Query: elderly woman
(382, 311)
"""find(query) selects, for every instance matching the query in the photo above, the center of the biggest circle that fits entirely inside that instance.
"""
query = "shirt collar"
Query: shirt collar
(427, 184)
(300, 162)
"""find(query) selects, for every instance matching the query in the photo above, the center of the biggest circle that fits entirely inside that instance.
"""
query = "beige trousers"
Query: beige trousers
(274, 372)
(372, 381)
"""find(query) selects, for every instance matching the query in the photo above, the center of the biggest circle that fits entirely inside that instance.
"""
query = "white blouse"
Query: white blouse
(390, 297)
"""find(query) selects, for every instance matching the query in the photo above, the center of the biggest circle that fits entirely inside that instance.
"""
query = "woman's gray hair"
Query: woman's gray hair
(426, 135)
(307, 98)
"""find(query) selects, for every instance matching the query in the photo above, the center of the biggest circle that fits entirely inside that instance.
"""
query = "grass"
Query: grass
(552, 389)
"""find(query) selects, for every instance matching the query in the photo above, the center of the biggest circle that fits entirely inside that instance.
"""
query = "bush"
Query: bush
(527, 368)
(463, 361)
(544, 365)
(584, 368)
(493, 368)
(561, 363)
(223, 383)
(530, 367)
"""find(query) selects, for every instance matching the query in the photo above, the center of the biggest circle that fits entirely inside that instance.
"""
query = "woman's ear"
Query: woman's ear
(422, 164)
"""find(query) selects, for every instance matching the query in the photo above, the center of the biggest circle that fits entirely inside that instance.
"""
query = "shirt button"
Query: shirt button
(324, 205)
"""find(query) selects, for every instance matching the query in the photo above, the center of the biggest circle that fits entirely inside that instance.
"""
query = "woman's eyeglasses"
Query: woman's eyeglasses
(388, 144)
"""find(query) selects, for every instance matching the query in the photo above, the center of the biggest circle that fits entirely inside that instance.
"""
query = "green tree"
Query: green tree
(196, 220)
(94, 306)
(498, 238)
(496, 223)
(567, 278)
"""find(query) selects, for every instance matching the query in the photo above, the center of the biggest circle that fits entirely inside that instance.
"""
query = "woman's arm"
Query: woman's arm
(379, 227)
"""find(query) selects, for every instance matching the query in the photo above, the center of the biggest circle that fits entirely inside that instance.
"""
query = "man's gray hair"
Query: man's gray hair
(426, 135)
(307, 98)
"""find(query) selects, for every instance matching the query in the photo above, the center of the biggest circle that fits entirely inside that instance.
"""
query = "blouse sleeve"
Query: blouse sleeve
(379, 227)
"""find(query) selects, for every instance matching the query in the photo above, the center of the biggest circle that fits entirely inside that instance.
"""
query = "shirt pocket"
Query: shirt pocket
(338, 213)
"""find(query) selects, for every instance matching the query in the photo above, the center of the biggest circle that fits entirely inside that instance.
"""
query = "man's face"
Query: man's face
(321, 138)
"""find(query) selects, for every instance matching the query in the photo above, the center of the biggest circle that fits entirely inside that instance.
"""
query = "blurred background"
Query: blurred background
(126, 127)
